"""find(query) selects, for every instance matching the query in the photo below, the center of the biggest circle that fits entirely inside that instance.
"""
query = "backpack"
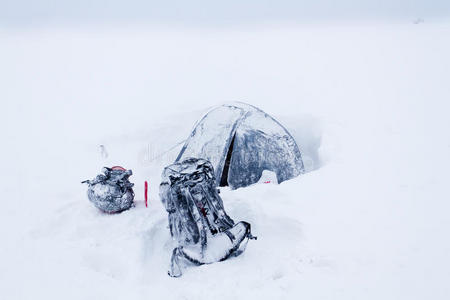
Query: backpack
(111, 192)
(198, 223)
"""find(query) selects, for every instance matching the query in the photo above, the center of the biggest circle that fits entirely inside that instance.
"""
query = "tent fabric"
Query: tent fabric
(241, 141)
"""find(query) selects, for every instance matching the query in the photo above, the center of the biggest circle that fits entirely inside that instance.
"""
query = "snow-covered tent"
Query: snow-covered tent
(241, 141)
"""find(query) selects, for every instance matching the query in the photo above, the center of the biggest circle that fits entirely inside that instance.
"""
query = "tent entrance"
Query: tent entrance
(226, 166)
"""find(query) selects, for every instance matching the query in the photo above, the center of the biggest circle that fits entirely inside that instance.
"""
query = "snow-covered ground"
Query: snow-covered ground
(367, 103)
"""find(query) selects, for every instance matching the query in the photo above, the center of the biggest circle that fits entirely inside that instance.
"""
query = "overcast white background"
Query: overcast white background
(208, 13)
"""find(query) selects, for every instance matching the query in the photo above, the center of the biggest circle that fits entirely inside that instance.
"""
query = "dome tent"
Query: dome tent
(241, 141)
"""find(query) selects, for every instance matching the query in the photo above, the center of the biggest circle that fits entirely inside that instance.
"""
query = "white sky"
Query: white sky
(204, 12)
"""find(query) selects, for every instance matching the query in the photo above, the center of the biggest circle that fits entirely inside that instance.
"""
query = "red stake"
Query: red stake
(146, 190)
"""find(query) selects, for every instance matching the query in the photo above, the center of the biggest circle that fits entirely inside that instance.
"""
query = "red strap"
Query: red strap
(146, 190)
(118, 168)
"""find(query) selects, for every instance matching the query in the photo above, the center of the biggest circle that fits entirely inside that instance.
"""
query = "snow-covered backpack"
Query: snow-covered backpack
(111, 192)
(197, 219)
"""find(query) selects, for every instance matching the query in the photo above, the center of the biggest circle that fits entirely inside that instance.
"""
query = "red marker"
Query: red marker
(146, 190)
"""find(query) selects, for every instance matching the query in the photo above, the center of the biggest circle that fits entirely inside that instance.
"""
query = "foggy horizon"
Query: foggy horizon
(27, 13)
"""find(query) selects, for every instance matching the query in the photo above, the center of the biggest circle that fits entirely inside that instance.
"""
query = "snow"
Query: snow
(367, 103)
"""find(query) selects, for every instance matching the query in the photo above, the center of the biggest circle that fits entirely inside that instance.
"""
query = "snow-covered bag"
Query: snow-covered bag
(111, 192)
(198, 223)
